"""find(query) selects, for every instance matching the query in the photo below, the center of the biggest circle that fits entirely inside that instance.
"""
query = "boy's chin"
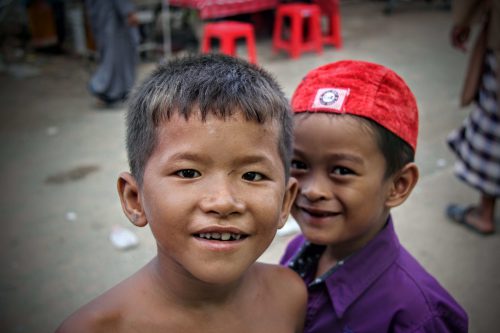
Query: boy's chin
(220, 276)
(316, 236)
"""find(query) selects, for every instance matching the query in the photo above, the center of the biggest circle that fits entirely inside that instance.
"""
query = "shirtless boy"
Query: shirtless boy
(208, 141)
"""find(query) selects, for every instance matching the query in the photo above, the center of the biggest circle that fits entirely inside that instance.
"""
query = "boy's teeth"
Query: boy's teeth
(224, 236)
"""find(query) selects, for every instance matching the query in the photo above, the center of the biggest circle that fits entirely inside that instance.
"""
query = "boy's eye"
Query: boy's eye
(298, 165)
(253, 176)
(188, 173)
(342, 171)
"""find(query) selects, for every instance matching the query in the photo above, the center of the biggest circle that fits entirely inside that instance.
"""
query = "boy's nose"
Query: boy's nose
(220, 200)
(315, 188)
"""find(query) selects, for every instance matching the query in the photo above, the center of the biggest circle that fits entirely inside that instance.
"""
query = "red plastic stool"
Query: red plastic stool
(296, 44)
(330, 9)
(228, 32)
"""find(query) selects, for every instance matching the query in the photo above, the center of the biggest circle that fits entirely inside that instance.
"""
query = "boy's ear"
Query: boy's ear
(288, 199)
(403, 183)
(128, 190)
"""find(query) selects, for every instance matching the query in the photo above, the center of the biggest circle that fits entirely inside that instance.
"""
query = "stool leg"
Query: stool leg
(296, 38)
(336, 28)
(227, 46)
(278, 25)
(205, 43)
(315, 31)
(233, 45)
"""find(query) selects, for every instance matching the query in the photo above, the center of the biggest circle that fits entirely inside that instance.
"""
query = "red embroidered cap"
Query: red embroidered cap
(363, 89)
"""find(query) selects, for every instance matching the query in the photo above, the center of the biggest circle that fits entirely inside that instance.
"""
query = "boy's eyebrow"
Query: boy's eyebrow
(347, 157)
(337, 156)
(186, 156)
(249, 159)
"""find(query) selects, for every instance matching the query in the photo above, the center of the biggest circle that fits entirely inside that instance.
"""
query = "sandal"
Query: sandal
(458, 215)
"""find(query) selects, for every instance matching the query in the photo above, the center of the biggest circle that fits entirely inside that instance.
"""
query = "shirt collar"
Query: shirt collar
(350, 278)
(362, 269)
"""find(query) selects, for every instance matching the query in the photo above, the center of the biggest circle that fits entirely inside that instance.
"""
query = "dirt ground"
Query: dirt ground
(60, 157)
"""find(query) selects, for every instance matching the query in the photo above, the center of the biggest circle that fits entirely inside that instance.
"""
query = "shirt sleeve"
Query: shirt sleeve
(450, 323)
(290, 250)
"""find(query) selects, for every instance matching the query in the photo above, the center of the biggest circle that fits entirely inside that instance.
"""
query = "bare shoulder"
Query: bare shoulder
(106, 313)
(286, 290)
(282, 279)
(91, 318)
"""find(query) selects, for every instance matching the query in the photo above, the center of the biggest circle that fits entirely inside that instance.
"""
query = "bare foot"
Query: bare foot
(474, 219)
(471, 218)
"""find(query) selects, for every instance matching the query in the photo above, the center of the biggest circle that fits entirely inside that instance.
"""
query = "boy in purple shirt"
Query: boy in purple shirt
(356, 127)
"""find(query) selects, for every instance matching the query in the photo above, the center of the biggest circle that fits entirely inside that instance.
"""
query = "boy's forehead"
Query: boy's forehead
(323, 137)
(191, 123)
(195, 115)
(212, 123)
(320, 119)
(217, 141)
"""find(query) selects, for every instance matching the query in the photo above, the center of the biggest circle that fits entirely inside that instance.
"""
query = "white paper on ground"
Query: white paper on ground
(122, 238)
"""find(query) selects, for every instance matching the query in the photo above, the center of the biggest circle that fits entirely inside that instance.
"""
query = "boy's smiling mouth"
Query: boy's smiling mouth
(317, 212)
(221, 236)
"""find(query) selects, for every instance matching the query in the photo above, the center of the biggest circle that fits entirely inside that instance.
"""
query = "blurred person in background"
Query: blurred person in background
(476, 142)
(114, 25)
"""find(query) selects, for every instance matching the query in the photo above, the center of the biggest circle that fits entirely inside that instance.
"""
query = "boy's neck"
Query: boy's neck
(174, 286)
(335, 253)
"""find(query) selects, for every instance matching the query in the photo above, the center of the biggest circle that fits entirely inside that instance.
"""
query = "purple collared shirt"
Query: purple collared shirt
(381, 288)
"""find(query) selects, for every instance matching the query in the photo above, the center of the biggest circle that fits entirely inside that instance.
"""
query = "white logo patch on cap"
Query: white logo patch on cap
(330, 98)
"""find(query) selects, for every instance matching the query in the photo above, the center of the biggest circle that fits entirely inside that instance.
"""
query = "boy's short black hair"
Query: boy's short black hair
(397, 153)
(212, 84)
